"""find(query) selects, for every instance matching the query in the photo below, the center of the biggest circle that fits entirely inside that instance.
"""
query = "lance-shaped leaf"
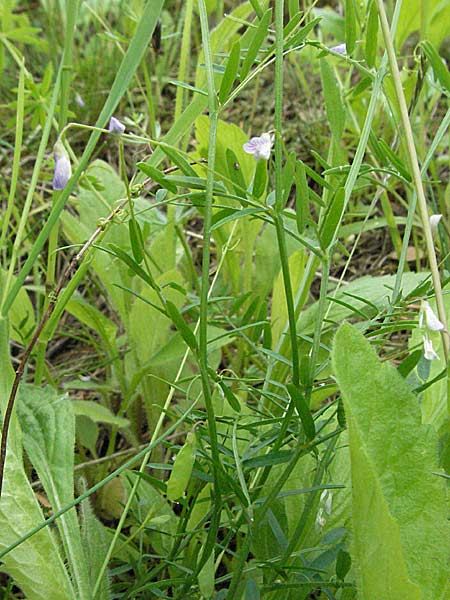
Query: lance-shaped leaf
(399, 510)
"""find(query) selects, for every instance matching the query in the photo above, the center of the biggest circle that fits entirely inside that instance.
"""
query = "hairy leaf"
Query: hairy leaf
(399, 509)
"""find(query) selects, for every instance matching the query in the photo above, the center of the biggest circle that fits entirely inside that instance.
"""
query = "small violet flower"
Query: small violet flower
(434, 222)
(79, 100)
(63, 168)
(339, 49)
(428, 350)
(115, 126)
(260, 146)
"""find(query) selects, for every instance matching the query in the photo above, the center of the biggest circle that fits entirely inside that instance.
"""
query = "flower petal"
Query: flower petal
(115, 126)
(63, 168)
(434, 222)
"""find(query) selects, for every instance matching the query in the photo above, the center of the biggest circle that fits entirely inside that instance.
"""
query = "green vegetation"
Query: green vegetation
(224, 245)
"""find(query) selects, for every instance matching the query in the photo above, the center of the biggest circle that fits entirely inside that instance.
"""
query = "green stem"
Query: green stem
(278, 212)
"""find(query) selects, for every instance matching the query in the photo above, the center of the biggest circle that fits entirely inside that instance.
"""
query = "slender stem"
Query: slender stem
(417, 178)
(208, 547)
(278, 212)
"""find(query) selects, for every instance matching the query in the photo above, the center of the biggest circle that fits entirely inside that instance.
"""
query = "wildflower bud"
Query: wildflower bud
(260, 146)
(434, 222)
(63, 169)
(339, 49)
(428, 350)
(115, 126)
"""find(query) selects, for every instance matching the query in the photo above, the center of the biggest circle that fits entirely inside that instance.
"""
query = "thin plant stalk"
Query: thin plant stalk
(278, 212)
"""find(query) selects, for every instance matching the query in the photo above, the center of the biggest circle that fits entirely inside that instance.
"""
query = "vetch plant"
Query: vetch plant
(183, 370)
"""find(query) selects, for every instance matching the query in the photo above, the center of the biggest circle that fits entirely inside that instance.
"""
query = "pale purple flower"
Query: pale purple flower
(115, 126)
(63, 168)
(428, 350)
(339, 49)
(260, 146)
(434, 222)
(79, 100)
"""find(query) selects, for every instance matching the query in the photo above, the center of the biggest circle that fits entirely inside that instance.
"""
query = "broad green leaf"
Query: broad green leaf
(48, 437)
(97, 413)
(182, 469)
(399, 504)
(36, 566)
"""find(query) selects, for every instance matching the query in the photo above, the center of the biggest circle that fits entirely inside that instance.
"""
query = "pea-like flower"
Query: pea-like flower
(431, 320)
(260, 146)
(434, 222)
(339, 49)
(63, 168)
(428, 350)
(115, 126)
